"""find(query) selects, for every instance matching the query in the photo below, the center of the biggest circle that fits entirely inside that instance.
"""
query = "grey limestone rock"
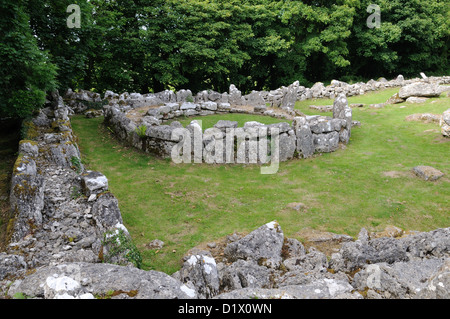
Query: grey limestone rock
(263, 245)
(11, 264)
(223, 125)
(320, 289)
(444, 123)
(188, 106)
(341, 110)
(314, 260)
(437, 286)
(88, 280)
(26, 197)
(94, 183)
(246, 274)
(419, 89)
(235, 96)
(106, 213)
(401, 280)
(326, 143)
(357, 254)
(255, 99)
(199, 270)
(287, 146)
(427, 173)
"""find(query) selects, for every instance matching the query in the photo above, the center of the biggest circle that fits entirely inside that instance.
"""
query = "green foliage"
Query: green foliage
(120, 244)
(141, 130)
(27, 72)
(76, 192)
(413, 37)
(20, 295)
(76, 164)
(189, 98)
(71, 49)
(95, 105)
(148, 46)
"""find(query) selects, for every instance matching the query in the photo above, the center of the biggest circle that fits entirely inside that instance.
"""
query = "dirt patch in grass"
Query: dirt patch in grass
(398, 174)
(325, 242)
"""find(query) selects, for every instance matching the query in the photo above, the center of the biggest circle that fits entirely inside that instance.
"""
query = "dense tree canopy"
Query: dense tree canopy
(27, 72)
(151, 45)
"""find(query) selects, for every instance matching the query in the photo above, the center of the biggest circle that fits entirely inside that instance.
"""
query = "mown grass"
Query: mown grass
(185, 205)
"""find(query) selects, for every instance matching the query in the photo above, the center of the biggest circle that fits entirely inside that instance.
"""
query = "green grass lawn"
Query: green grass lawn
(368, 184)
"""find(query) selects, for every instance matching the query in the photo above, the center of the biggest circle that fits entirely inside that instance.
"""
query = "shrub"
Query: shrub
(76, 164)
(120, 248)
(141, 130)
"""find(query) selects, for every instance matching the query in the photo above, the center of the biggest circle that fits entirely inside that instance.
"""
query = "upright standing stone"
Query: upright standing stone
(290, 96)
(341, 110)
(305, 139)
(444, 122)
(235, 96)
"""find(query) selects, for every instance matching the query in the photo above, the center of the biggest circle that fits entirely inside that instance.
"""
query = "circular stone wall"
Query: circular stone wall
(300, 136)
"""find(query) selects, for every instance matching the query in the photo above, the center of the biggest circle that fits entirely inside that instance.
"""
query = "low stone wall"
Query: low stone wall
(148, 133)
(59, 211)
(303, 137)
(284, 97)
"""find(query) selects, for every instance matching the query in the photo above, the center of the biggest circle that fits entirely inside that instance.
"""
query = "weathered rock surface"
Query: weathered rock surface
(419, 89)
(320, 289)
(437, 286)
(444, 123)
(91, 280)
(423, 117)
(354, 255)
(399, 280)
(94, 183)
(417, 100)
(395, 99)
(262, 245)
(427, 173)
(200, 271)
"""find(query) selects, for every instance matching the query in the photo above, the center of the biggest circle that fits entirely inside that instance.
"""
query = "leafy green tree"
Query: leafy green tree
(120, 53)
(152, 45)
(27, 72)
(71, 49)
(319, 30)
(194, 44)
(413, 36)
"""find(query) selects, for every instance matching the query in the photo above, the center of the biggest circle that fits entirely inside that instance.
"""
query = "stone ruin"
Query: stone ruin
(301, 138)
(444, 123)
(282, 98)
(63, 214)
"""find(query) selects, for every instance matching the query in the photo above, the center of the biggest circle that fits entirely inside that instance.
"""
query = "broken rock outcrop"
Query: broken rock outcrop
(265, 264)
